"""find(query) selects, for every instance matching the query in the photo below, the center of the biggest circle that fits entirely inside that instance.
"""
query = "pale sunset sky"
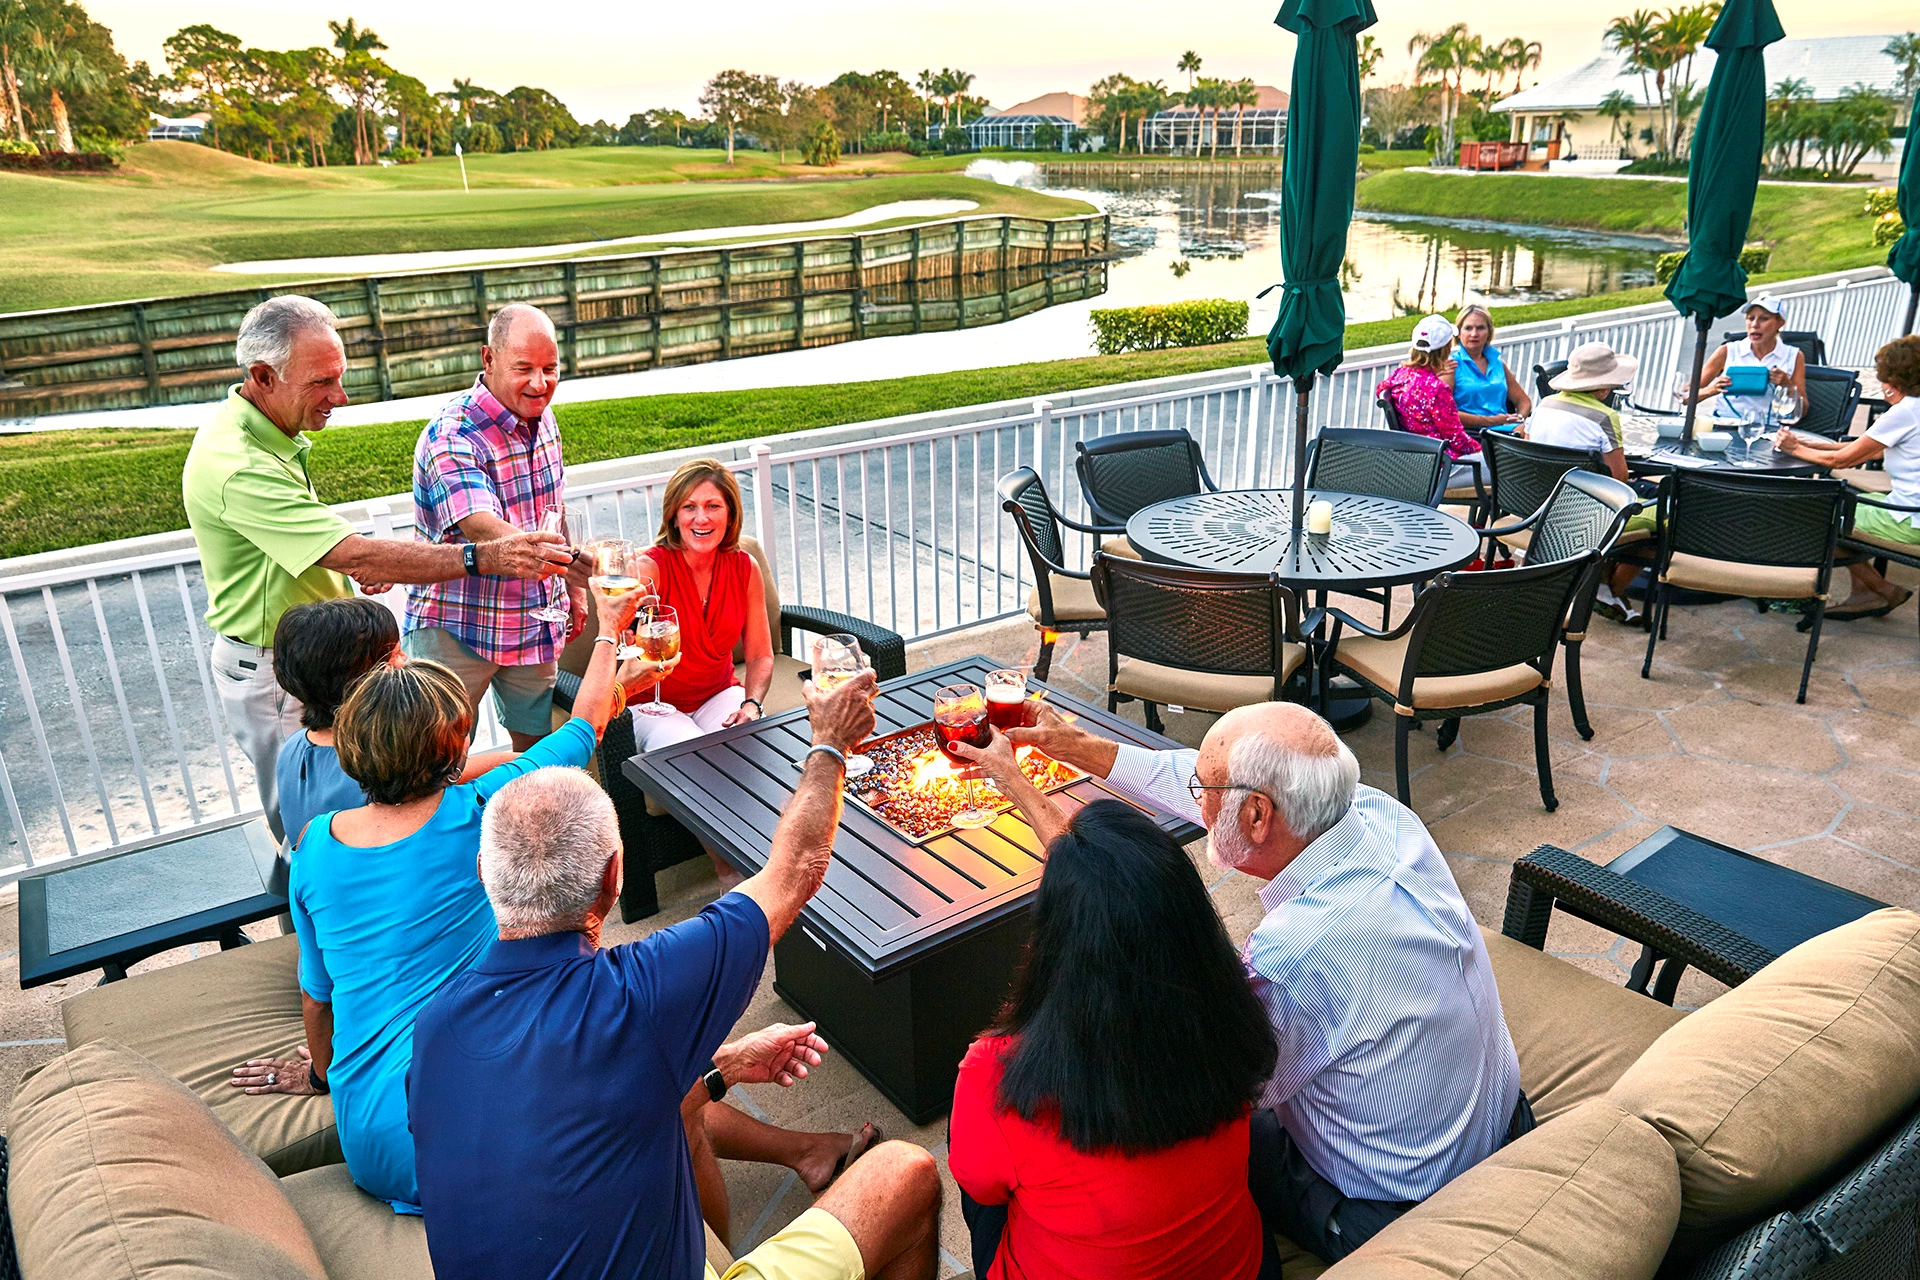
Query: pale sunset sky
(608, 59)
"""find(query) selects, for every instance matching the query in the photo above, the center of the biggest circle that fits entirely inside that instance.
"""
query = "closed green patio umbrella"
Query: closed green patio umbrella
(1316, 203)
(1723, 172)
(1904, 257)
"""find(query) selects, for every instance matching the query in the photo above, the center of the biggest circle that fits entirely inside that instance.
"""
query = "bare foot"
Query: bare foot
(833, 1152)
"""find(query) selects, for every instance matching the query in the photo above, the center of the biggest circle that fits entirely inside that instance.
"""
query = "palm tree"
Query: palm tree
(1905, 52)
(1676, 39)
(1370, 54)
(1445, 55)
(1521, 54)
(1240, 95)
(55, 69)
(1787, 121)
(357, 46)
(1490, 60)
(1189, 63)
(1204, 96)
(1633, 35)
(1615, 107)
(465, 93)
(925, 83)
(17, 34)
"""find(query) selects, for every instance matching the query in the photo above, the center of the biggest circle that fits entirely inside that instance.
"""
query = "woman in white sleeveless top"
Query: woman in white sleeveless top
(1785, 365)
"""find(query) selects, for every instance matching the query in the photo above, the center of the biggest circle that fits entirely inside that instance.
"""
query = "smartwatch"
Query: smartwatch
(715, 1082)
(471, 554)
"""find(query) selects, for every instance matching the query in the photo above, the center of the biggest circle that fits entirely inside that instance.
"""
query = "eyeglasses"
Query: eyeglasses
(1195, 787)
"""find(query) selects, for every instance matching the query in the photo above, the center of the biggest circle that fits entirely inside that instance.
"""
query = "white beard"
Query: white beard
(1227, 848)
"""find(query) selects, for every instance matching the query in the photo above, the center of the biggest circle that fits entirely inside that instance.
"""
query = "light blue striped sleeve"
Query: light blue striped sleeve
(1157, 777)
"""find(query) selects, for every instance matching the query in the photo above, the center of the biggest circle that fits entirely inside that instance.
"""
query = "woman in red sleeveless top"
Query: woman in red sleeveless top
(696, 566)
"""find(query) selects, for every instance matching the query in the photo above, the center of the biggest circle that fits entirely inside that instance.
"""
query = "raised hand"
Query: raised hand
(844, 718)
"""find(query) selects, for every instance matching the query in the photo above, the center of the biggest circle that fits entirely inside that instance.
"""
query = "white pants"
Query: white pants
(1463, 470)
(650, 733)
(260, 713)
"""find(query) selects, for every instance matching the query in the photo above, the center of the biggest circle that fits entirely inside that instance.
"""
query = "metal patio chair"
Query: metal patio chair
(1832, 397)
(1760, 537)
(1473, 643)
(1194, 638)
(1474, 495)
(1543, 376)
(1121, 473)
(1384, 464)
(1585, 513)
(1880, 550)
(1062, 599)
(1521, 476)
(1810, 343)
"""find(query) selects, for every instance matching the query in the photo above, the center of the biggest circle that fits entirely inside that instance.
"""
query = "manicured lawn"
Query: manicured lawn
(1386, 161)
(68, 488)
(1811, 229)
(176, 209)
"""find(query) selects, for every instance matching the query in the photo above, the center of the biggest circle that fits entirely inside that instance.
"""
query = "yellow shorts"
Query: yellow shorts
(813, 1247)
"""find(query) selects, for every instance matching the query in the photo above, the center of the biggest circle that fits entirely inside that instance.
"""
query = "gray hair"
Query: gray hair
(268, 332)
(500, 328)
(544, 843)
(1312, 790)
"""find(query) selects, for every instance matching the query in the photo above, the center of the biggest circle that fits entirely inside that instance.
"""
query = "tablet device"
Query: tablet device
(1747, 380)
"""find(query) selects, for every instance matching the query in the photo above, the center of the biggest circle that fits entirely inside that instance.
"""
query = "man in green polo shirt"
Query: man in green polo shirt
(266, 540)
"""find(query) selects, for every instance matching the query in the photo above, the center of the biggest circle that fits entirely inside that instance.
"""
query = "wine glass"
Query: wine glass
(1785, 404)
(658, 630)
(567, 522)
(1750, 427)
(960, 715)
(836, 660)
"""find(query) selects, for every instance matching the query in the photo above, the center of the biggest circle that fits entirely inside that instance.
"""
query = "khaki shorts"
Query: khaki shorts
(523, 696)
(813, 1247)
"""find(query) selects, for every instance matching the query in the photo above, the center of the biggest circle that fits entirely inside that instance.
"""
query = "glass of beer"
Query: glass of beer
(836, 660)
(657, 630)
(1007, 699)
(960, 715)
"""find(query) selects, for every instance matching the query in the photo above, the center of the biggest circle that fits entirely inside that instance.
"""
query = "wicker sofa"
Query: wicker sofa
(1771, 1134)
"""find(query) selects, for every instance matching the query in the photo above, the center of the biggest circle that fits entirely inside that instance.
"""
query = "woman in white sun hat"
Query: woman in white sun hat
(1785, 365)
(1422, 391)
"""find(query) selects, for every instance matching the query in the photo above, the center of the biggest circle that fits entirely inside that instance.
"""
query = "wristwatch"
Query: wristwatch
(715, 1082)
(471, 554)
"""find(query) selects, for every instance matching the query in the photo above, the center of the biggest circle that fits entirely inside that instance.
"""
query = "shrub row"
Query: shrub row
(1754, 258)
(1174, 324)
(67, 160)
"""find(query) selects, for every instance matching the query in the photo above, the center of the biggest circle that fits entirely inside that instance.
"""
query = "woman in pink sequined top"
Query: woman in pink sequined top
(1422, 390)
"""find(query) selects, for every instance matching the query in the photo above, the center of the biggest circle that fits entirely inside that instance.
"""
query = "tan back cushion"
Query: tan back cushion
(357, 1236)
(1575, 1033)
(1593, 1195)
(118, 1170)
(752, 547)
(1775, 1087)
(197, 1020)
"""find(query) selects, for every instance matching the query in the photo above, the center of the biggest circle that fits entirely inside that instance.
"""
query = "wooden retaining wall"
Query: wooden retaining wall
(418, 334)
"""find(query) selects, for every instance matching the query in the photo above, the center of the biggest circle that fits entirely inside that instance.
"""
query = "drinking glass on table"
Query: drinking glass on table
(1785, 403)
(1750, 427)
(836, 660)
(960, 715)
(569, 523)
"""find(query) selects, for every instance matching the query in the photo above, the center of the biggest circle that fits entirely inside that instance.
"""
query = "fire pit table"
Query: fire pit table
(906, 952)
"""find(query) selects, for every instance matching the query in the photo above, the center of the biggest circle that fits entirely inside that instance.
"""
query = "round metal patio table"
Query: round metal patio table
(1376, 542)
(1648, 453)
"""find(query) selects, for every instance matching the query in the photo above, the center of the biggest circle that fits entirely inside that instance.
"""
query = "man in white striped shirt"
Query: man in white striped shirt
(1396, 1070)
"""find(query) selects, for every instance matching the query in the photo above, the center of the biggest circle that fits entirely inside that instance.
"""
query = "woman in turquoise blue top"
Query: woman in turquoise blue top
(387, 899)
(1484, 389)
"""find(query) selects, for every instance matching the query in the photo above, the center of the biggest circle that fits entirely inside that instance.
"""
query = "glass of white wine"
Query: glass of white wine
(836, 660)
(569, 523)
(658, 630)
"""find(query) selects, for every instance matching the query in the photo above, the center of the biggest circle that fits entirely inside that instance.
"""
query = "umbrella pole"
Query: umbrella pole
(1693, 387)
(1302, 388)
(1913, 305)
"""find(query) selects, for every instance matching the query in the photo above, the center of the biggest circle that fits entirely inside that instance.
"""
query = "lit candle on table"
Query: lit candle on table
(1320, 516)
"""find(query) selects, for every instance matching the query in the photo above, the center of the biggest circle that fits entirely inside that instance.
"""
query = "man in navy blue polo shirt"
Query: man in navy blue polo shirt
(554, 1084)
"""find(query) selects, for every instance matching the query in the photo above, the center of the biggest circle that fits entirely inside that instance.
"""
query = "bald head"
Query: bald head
(1285, 753)
(521, 360)
(545, 841)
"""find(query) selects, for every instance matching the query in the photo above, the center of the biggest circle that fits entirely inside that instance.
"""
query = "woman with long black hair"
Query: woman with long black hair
(1099, 1128)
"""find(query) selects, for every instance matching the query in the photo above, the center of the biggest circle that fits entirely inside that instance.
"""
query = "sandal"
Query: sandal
(869, 1137)
(1881, 610)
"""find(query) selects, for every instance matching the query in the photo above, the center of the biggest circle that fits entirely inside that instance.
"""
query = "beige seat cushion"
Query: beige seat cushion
(1904, 548)
(198, 1020)
(1864, 480)
(1778, 1085)
(1200, 690)
(1730, 578)
(1073, 601)
(1575, 1033)
(1519, 539)
(119, 1171)
(1592, 1195)
(1457, 511)
(1119, 546)
(1381, 662)
(357, 1236)
(1461, 493)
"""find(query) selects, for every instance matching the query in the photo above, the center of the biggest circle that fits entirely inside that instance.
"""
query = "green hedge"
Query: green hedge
(1176, 324)
(1754, 258)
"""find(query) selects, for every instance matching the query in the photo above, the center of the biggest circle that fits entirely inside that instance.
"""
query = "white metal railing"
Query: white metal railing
(111, 732)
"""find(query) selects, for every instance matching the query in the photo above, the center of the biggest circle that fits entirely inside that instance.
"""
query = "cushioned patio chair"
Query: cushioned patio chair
(1761, 537)
(1061, 599)
(1810, 343)
(1585, 513)
(1880, 550)
(1521, 476)
(1473, 643)
(652, 840)
(1196, 639)
(1832, 397)
(1543, 376)
(1384, 464)
(1121, 473)
(1474, 495)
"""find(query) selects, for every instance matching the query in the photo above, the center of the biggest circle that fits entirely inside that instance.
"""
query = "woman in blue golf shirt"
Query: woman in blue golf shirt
(1487, 393)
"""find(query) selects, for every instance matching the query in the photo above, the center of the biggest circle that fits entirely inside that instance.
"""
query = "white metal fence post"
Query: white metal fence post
(1252, 457)
(762, 456)
(380, 515)
(1832, 327)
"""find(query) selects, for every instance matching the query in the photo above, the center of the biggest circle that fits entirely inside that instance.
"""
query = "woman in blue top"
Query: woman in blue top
(1484, 389)
(319, 650)
(387, 899)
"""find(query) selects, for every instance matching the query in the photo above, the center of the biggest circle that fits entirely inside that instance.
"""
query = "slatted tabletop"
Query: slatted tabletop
(886, 900)
(1375, 541)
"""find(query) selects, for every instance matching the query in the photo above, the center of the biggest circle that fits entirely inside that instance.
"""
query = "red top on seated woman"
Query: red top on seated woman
(1427, 408)
(709, 631)
(1181, 1213)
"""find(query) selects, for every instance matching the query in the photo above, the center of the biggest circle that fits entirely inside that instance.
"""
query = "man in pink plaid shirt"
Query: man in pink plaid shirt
(488, 465)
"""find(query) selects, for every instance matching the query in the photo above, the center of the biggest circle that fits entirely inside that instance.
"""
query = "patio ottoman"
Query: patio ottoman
(357, 1236)
(197, 1020)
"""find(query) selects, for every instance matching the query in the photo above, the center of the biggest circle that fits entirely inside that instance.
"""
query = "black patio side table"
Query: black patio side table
(113, 911)
(907, 951)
